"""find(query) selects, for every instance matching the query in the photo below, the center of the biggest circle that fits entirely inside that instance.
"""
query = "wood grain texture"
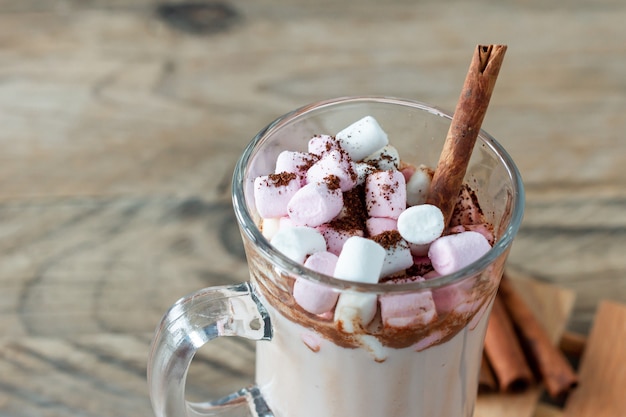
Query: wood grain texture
(119, 133)
(603, 369)
(546, 410)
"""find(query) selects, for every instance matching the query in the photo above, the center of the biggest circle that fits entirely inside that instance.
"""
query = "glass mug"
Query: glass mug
(305, 364)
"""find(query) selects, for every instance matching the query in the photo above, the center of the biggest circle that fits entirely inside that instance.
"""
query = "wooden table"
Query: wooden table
(121, 122)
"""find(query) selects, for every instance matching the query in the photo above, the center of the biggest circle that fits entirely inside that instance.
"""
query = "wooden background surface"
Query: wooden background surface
(120, 123)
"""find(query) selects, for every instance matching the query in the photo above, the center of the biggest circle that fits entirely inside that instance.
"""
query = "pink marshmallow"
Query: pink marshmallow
(315, 204)
(421, 265)
(322, 262)
(431, 339)
(484, 229)
(295, 162)
(455, 297)
(450, 253)
(335, 238)
(452, 298)
(431, 274)
(378, 225)
(407, 171)
(272, 193)
(312, 296)
(335, 163)
(322, 144)
(385, 194)
(478, 315)
(410, 309)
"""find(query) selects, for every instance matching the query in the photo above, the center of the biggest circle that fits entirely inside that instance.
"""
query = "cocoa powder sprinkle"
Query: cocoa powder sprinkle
(281, 179)
(354, 205)
(388, 239)
(333, 182)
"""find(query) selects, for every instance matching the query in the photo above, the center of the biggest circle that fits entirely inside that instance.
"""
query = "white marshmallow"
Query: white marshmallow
(419, 250)
(360, 260)
(374, 346)
(421, 224)
(398, 258)
(269, 227)
(354, 310)
(417, 186)
(298, 242)
(386, 158)
(362, 138)
(286, 222)
(362, 170)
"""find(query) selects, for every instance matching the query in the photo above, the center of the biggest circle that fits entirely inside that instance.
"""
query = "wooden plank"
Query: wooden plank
(553, 306)
(603, 368)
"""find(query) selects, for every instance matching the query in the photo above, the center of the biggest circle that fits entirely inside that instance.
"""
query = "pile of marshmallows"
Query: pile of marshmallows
(299, 201)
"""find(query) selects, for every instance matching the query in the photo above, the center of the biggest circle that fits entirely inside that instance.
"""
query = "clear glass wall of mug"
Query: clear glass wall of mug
(307, 365)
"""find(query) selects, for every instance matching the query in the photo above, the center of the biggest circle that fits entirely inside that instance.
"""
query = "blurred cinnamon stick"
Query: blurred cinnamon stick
(486, 379)
(504, 351)
(556, 372)
(573, 344)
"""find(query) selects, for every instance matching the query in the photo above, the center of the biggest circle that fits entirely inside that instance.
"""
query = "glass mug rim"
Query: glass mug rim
(286, 265)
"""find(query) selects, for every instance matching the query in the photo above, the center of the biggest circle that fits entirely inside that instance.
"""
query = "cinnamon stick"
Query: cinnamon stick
(573, 344)
(486, 378)
(464, 128)
(556, 372)
(504, 352)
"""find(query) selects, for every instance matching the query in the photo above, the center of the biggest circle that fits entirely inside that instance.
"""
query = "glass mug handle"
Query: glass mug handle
(191, 322)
